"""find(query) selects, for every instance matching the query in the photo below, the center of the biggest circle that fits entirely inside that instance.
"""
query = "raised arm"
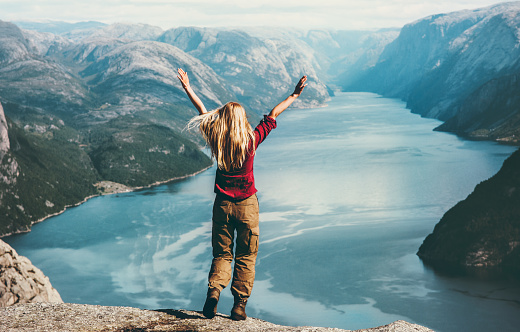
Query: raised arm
(195, 100)
(278, 109)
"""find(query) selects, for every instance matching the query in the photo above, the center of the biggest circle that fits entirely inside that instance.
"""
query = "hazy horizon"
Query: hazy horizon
(304, 14)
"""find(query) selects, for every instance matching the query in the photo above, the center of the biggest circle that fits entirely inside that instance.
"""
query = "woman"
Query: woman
(233, 144)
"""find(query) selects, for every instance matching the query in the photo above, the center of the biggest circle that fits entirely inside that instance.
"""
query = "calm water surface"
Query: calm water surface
(347, 195)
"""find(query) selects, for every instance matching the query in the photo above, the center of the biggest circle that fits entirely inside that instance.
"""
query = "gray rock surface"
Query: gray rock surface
(4, 135)
(8, 168)
(43, 317)
(22, 282)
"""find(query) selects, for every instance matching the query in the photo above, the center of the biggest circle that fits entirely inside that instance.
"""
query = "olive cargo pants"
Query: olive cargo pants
(228, 217)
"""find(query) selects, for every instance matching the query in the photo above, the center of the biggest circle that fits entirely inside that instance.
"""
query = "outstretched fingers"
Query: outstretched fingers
(183, 77)
(302, 81)
(301, 85)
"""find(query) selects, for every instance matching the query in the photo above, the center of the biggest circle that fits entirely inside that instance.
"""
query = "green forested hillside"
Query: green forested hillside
(52, 172)
(58, 165)
(136, 152)
(484, 229)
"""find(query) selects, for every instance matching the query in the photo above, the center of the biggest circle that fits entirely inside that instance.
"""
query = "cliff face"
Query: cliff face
(438, 64)
(9, 169)
(5, 145)
(8, 165)
(22, 282)
(491, 112)
(484, 229)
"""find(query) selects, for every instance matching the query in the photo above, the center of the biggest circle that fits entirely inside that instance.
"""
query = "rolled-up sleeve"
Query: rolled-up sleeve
(263, 129)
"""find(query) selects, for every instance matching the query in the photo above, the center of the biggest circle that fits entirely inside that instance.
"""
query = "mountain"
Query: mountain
(72, 31)
(58, 27)
(490, 112)
(438, 63)
(32, 80)
(145, 72)
(92, 103)
(128, 31)
(69, 126)
(8, 169)
(482, 231)
(260, 71)
(345, 55)
(337, 54)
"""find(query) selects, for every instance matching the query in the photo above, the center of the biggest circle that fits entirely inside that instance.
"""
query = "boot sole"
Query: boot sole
(210, 308)
(236, 316)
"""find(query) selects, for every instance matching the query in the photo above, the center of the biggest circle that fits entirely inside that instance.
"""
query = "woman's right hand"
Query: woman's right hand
(183, 77)
(185, 81)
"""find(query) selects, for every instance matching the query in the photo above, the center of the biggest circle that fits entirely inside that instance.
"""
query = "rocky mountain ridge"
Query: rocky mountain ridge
(260, 70)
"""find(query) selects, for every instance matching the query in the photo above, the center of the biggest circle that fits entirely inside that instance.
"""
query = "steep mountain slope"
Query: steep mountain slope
(484, 229)
(44, 43)
(9, 171)
(436, 63)
(88, 50)
(43, 170)
(490, 112)
(145, 73)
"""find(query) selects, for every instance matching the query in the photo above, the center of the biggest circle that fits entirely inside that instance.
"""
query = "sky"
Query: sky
(306, 14)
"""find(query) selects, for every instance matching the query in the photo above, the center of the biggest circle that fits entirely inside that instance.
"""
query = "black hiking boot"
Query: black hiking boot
(210, 307)
(239, 309)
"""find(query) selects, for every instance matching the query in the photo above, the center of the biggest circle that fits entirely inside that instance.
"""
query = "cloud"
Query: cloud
(368, 14)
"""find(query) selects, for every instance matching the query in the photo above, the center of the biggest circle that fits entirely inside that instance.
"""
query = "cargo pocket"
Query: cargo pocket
(253, 240)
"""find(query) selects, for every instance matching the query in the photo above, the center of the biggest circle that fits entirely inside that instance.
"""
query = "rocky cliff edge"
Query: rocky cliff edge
(52, 317)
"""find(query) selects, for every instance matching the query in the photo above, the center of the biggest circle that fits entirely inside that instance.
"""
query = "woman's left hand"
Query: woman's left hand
(300, 86)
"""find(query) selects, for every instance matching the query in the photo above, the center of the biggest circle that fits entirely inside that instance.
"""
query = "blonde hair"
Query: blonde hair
(228, 133)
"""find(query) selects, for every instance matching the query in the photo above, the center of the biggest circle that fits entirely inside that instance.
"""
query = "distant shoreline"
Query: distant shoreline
(121, 188)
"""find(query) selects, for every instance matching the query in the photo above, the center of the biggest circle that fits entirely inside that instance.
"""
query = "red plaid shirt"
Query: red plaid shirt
(240, 184)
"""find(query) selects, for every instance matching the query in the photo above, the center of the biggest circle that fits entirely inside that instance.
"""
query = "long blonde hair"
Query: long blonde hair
(228, 133)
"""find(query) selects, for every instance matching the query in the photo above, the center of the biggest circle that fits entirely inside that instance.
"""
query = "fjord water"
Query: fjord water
(347, 194)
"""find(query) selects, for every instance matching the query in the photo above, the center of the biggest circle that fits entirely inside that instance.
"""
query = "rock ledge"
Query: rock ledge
(53, 317)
